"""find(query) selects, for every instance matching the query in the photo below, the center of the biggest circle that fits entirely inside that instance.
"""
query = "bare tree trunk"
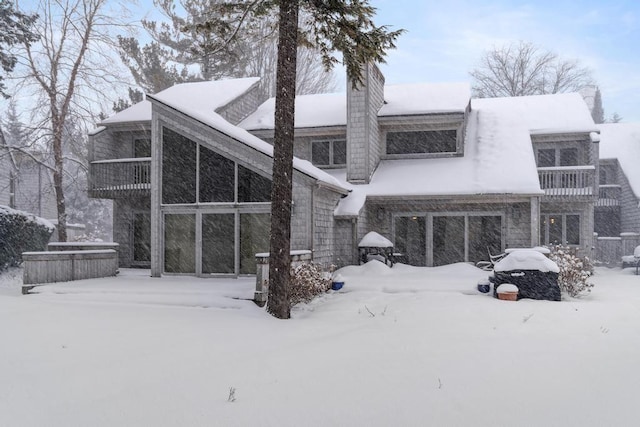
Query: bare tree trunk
(58, 173)
(282, 190)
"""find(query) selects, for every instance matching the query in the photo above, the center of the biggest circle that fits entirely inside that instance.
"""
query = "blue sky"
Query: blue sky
(445, 39)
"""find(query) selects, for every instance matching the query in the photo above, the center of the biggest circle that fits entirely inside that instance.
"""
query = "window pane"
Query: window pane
(254, 238)
(568, 157)
(410, 239)
(573, 229)
(217, 177)
(178, 168)
(485, 236)
(253, 187)
(546, 158)
(439, 141)
(448, 239)
(218, 243)
(555, 229)
(320, 153)
(340, 152)
(180, 243)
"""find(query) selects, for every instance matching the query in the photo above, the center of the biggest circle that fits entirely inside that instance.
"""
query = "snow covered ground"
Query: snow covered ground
(395, 347)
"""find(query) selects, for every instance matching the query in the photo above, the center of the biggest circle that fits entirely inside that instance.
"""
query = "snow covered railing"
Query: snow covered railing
(64, 266)
(567, 180)
(118, 175)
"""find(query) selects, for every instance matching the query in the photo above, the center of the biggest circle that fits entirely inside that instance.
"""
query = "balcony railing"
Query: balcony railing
(608, 195)
(120, 177)
(568, 181)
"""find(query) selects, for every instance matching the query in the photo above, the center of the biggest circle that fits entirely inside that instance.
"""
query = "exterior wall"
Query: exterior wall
(5, 174)
(324, 203)
(363, 137)
(629, 206)
(123, 214)
(34, 189)
(586, 211)
(238, 109)
(312, 219)
(344, 253)
(116, 143)
(379, 216)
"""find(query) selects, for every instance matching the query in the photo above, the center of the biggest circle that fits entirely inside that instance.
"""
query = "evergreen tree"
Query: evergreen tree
(15, 29)
(344, 26)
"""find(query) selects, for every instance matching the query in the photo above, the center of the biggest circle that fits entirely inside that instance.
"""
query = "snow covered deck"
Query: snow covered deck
(572, 181)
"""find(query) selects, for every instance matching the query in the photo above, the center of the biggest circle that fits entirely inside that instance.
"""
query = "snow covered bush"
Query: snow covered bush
(21, 232)
(308, 281)
(574, 271)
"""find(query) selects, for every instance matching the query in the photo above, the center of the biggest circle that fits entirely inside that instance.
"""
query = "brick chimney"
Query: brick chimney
(363, 136)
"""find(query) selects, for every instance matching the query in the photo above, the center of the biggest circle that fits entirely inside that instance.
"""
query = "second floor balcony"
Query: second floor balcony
(111, 179)
(571, 182)
(609, 195)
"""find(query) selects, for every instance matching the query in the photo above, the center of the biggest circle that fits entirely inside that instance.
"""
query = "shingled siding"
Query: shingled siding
(363, 147)
(238, 109)
(123, 214)
(324, 203)
(629, 206)
(343, 250)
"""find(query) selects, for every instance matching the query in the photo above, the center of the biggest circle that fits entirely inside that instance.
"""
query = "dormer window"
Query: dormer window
(422, 142)
(329, 153)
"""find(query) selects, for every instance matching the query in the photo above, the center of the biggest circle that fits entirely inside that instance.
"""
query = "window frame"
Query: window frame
(331, 142)
(544, 229)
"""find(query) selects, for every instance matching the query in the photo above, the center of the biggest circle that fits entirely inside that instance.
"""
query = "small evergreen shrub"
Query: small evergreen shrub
(308, 281)
(21, 232)
(574, 271)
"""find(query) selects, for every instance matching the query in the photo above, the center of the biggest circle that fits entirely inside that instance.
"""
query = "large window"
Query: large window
(454, 237)
(329, 153)
(189, 168)
(179, 243)
(178, 168)
(422, 142)
(410, 239)
(560, 229)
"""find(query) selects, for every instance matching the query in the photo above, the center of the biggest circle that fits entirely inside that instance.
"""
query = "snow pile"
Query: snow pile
(412, 346)
(526, 259)
(374, 240)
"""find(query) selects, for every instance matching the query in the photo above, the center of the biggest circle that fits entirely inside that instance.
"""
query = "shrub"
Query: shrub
(308, 281)
(21, 232)
(574, 271)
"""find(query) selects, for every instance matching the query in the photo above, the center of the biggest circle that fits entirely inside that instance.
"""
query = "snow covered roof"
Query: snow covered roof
(541, 114)
(322, 110)
(194, 100)
(203, 96)
(622, 141)
(498, 155)
(140, 112)
(425, 98)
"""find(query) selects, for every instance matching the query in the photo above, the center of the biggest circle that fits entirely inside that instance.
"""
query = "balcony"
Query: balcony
(567, 182)
(119, 178)
(608, 195)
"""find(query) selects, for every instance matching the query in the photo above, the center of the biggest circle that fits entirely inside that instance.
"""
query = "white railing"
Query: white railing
(567, 180)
